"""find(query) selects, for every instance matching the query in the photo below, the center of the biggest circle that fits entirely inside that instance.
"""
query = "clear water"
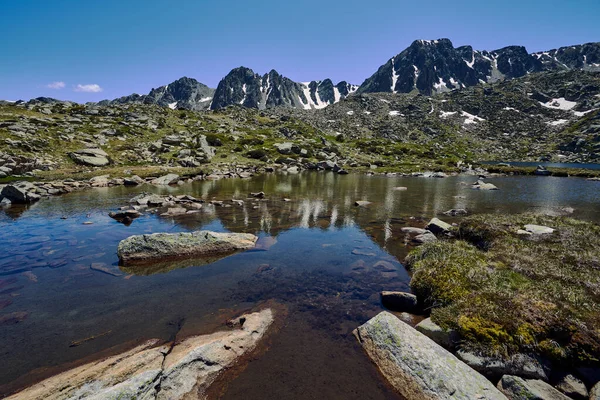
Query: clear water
(47, 285)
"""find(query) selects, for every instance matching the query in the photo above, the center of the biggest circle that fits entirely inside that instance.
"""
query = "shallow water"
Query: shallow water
(50, 297)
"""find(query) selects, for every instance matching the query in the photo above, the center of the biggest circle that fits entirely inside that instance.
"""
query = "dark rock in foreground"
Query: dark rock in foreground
(157, 246)
(416, 366)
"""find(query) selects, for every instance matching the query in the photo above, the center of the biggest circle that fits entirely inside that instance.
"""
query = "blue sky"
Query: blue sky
(92, 50)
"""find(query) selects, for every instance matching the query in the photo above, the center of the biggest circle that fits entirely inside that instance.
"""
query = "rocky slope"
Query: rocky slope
(435, 66)
(543, 116)
(185, 93)
(243, 86)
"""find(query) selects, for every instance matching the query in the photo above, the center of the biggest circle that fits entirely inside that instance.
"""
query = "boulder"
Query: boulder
(425, 238)
(93, 157)
(399, 301)
(416, 366)
(157, 246)
(412, 230)
(20, 193)
(437, 226)
(100, 181)
(166, 179)
(538, 229)
(595, 392)
(522, 365)
(152, 371)
(481, 185)
(133, 181)
(284, 148)
(327, 165)
(516, 388)
(572, 387)
(443, 337)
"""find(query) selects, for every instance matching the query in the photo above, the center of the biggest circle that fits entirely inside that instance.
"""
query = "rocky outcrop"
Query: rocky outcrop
(158, 246)
(171, 371)
(516, 388)
(91, 157)
(418, 367)
(20, 193)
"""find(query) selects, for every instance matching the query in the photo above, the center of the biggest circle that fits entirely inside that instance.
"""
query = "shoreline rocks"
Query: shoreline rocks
(416, 366)
(157, 246)
(169, 371)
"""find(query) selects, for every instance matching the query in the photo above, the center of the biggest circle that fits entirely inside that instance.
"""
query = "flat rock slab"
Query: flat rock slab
(539, 229)
(416, 366)
(160, 246)
(153, 372)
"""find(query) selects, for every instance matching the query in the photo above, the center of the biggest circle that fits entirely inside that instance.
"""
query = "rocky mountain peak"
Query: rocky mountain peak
(244, 87)
(434, 66)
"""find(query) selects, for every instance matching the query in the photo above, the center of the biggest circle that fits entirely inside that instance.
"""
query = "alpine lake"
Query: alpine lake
(321, 259)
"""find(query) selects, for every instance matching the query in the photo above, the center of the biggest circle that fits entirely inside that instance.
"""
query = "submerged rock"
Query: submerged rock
(157, 246)
(516, 388)
(399, 301)
(418, 367)
(158, 372)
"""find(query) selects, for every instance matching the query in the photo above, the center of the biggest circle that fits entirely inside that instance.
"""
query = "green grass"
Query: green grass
(506, 293)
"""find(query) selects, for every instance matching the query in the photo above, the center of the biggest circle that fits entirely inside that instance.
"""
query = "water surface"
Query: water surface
(324, 259)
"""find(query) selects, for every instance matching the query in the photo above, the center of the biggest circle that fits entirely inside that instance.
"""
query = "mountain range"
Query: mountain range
(426, 67)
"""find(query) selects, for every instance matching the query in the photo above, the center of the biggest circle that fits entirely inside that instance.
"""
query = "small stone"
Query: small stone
(438, 226)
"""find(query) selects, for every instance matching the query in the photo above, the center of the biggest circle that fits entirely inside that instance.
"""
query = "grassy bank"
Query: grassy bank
(506, 293)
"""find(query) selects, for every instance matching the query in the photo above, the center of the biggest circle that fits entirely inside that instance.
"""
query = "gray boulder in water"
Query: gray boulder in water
(418, 367)
(158, 246)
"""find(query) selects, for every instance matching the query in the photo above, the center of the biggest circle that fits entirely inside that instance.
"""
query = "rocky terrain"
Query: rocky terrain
(548, 116)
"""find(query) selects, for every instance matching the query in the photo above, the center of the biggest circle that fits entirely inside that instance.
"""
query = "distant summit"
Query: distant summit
(244, 87)
(434, 66)
(186, 93)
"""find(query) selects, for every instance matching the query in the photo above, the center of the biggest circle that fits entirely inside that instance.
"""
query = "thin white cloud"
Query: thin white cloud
(56, 85)
(89, 88)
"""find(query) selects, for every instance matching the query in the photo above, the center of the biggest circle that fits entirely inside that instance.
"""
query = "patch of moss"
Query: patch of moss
(506, 293)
